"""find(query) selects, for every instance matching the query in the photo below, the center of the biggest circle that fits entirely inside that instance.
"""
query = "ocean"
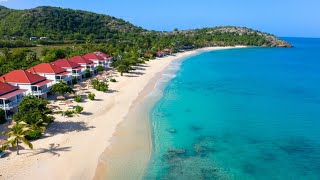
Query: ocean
(249, 113)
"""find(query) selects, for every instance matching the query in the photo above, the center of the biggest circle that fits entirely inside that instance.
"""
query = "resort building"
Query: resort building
(167, 51)
(160, 54)
(52, 72)
(75, 69)
(100, 60)
(10, 97)
(86, 63)
(105, 56)
(34, 84)
(149, 55)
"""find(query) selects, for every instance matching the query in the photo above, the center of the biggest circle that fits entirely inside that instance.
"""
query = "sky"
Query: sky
(284, 18)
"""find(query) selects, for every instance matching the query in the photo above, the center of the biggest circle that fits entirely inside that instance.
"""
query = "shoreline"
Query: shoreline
(71, 147)
(132, 157)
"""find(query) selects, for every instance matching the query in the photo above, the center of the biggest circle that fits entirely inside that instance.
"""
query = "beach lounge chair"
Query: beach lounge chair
(3, 153)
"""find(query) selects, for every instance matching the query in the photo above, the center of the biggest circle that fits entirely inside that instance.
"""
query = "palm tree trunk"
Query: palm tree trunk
(17, 147)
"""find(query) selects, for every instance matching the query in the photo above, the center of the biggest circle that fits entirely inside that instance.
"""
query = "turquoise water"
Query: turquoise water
(249, 113)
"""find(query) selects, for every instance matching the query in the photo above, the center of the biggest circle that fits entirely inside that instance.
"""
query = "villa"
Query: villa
(52, 72)
(149, 55)
(75, 69)
(105, 56)
(100, 60)
(167, 51)
(34, 84)
(160, 54)
(86, 63)
(10, 97)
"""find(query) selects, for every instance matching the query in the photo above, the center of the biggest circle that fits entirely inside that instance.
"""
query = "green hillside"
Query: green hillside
(58, 23)
(65, 26)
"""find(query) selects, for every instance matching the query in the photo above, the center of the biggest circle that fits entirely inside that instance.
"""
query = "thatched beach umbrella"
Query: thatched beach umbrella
(61, 98)
(3, 142)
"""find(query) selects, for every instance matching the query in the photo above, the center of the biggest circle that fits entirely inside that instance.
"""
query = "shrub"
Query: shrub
(2, 117)
(74, 80)
(91, 96)
(34, 134)
(61, 88)
(78, 98)
(69, 113)
(113, 80)
(100, 68)
(99, 85)
(78, 109)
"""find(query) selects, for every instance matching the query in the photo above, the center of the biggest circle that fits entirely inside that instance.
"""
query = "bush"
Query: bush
(78, 98)
(91, 96)
(99, 85)
(61, 88)
(113, 80)
(74, 80)
(69, 113)
(33, 135)
(2, 117)
(100, 68)
(78, 109)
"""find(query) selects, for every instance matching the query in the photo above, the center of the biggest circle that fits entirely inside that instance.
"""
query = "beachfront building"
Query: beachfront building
(105, 56)
(34, 84)
(86, 63)
(52, 72)
(75, 69)
(149, 55)
(10, 97)
(100, 60)
(160, 54)
(167, 51)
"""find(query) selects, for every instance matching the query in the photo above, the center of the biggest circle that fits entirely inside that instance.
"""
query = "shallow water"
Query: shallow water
(249, 113)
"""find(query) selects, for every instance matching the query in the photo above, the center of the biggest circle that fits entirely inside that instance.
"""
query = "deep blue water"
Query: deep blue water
(249, 113)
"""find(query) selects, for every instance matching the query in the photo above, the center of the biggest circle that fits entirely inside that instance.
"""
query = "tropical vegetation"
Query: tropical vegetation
(34, 112)
(78, 98)
(17, 134)
(61, 88)
(99, 85)
(91, 96)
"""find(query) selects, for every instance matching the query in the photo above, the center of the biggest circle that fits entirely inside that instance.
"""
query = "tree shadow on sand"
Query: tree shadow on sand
(68, 126)
(53, 149)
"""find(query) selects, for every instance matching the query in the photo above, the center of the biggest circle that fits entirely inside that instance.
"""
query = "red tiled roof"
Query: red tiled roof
(46, 68)
(12, 94)
(6, 88)
(80, 60)
(21, 76)
(160, 52)
(64, 73)
(148, 54)
(93, 56)
(66, 63)
(99, 53)
(43, 82)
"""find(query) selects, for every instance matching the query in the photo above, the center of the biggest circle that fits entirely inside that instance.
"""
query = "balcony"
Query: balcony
(10, 105)
(63, 78)
(78, 73)
(40, 92)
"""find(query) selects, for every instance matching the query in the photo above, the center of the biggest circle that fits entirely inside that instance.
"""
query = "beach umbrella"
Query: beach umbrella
(3, 142)
(61, 98)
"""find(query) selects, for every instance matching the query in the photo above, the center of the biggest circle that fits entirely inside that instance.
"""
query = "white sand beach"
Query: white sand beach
(72, 146)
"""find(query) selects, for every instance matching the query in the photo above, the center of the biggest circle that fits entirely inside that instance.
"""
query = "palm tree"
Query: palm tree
(122, 68)
(17, 133)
